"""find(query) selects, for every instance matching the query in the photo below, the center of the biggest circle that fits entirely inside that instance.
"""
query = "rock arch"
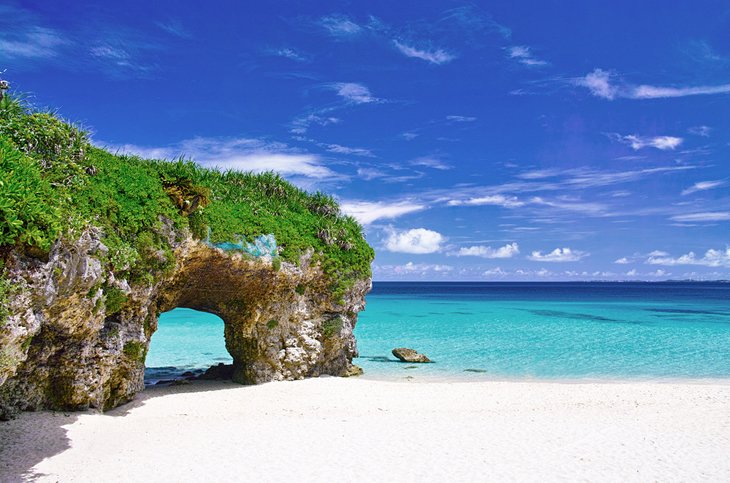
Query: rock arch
(279, 323)
(70, 349)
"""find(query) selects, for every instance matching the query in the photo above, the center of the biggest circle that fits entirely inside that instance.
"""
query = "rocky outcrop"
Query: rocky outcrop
(77, 336)
(409, 355)
(217, 373)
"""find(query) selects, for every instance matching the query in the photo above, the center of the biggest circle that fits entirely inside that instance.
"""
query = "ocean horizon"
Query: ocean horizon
(507, 330)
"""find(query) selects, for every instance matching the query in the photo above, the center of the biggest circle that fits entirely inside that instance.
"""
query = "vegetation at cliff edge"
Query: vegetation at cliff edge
(54, 184)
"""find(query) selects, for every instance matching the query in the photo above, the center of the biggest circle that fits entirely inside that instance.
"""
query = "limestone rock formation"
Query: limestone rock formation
(77, 336)
(95, 245)
(409, 355)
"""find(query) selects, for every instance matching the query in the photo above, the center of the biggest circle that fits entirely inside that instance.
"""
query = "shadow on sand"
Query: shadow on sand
(35, 436)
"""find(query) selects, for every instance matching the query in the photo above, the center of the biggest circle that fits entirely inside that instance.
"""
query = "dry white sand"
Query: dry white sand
(332, 429)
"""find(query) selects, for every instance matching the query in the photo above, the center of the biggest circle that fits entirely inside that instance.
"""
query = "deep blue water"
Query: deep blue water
(513, 330)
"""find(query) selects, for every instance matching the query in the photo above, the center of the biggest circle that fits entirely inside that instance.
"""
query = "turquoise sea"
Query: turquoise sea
(508, 331)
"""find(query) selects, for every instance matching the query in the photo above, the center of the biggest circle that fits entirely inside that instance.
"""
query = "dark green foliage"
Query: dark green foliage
(300, 288)
(114, 300)
(58, 146)
(53, 179)
(332, 327)
(26, 216)
(276, 264)
(272, 324)
(135, 350)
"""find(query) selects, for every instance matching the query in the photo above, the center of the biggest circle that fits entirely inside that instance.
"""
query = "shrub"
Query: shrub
(114, 300)
(28, 208)
(331, 327)
(52, 179)
(135, 350)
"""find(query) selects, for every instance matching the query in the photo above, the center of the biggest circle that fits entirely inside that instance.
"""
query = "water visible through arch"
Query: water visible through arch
(186, 340)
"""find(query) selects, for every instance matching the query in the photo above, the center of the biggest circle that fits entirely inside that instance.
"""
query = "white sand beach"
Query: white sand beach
(332, 429)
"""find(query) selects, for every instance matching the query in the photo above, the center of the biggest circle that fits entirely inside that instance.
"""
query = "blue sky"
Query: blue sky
(542, 140)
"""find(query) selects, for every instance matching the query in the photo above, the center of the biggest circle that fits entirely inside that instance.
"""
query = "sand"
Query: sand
(332, 429)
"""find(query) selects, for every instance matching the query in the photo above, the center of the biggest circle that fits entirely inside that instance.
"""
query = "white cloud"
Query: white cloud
(416, 240)
(307, 165)
(336, 148)
(622, 261)
(240, 154)
(494, 272)
(472, 20)
(340, 26)
(703, 131)
(422, 268)
(524, 55)
(659, 273)
(653, 92)
(174, 27)
(507, 251)
(632, 273)
(558, 255)
(301, 125)
(599, 83)
(711, 258)
(147, 152)
(461, 118)
(354, 92)
(367, 212)
(409, 135)
(115, 54)
(430, 162)
(514, 202)
(438, 56)
(706, 216)
(663, 143)
(497, 200)
(702, 186)
(571, 205)
(369, 174)
(33, 43)
(290, 54)
(602, 84)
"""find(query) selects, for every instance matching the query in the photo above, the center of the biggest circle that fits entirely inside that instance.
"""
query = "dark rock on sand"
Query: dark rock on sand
(219, 372)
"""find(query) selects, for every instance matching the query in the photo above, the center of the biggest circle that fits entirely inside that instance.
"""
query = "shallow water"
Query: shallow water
(509, 330)
(549, 331)
(186, 340)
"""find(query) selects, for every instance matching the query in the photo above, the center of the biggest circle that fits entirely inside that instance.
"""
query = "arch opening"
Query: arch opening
(186, 343)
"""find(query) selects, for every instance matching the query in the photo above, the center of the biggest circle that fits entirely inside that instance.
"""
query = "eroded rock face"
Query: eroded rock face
(63, 348)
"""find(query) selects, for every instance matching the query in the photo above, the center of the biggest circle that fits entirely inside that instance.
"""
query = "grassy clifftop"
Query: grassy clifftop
(54, 184)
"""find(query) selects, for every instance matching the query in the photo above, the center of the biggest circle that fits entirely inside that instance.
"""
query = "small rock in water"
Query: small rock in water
(180, 382)
(409, 355)
(475, 370)
(187, 374)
